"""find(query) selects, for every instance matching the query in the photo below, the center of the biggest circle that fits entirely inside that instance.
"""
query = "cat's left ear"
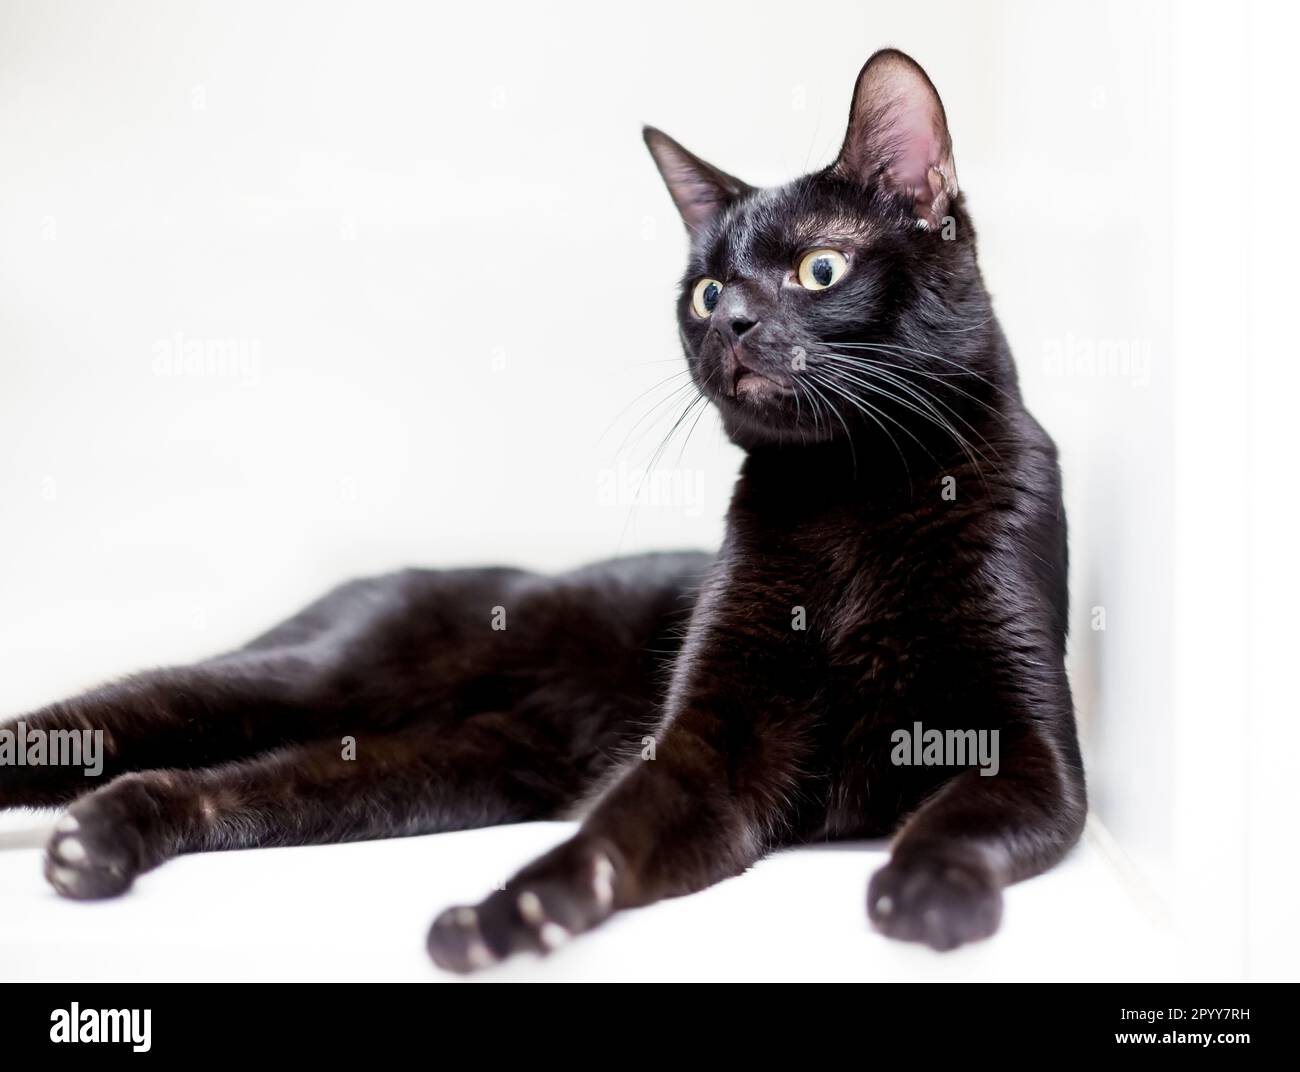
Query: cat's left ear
(699, 190)
(898, 133)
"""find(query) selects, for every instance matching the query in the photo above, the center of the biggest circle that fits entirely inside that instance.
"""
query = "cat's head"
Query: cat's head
(848, 301)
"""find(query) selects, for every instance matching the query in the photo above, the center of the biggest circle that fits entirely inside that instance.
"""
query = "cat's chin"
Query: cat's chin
(756, 389)
(765, 422)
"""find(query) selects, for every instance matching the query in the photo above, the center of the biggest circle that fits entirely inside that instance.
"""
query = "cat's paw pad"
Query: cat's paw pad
(565, 893)
(92, 854)
(456, 941)
(943, 903)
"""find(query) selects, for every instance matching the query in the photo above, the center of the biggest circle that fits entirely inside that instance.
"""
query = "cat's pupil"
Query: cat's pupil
(710, 296)
(822, 271)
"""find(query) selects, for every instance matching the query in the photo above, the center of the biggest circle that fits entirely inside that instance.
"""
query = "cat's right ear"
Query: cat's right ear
(898, 135)
(699, 190)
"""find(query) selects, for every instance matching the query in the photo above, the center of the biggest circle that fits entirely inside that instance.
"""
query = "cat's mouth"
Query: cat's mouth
(745, 383)
(755, 404)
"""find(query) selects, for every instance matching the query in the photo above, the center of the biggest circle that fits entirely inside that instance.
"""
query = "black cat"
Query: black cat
(889, 603)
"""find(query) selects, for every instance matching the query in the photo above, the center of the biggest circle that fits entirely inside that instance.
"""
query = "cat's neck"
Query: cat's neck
(875, 475)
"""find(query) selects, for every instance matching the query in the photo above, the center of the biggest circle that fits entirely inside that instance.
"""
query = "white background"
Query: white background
(433, 242)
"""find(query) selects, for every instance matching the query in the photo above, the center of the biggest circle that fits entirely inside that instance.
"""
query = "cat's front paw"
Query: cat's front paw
(943, 902)
(97, 848)
(568, 891)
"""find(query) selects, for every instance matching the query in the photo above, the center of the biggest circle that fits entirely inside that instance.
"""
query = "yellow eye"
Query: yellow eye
(705, 297)
(822, 268)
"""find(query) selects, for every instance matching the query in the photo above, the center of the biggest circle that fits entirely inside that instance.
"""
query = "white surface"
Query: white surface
(361, 912)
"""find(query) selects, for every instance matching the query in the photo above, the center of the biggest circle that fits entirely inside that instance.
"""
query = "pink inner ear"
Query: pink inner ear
(919, 151)
(897, 131)
(917, 146)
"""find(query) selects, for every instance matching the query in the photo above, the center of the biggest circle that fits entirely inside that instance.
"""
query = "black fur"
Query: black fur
(895, 554)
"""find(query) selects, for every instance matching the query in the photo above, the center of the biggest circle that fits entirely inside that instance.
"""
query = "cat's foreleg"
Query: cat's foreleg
(398, 783)
(953, 857)
(711, 803)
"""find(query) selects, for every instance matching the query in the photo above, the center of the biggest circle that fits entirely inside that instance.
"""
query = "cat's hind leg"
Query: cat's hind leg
(306, 679)
(181, 716)
(491, 769)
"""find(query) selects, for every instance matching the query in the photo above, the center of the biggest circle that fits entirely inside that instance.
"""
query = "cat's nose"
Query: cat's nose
(737, 312)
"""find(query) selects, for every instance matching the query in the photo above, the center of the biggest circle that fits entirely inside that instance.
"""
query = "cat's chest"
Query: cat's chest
(862, 603)
(844, 570)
